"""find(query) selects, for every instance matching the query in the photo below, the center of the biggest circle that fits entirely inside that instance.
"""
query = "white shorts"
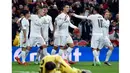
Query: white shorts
(105, 42)
(95, 41)
(69, 39)
(60, 40)
(33, 41)
(23, 44)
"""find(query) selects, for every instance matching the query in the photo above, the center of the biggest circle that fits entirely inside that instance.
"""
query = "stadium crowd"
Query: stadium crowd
(81, 7)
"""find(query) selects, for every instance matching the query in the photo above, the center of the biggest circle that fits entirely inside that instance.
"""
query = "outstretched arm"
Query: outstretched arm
(79, 16)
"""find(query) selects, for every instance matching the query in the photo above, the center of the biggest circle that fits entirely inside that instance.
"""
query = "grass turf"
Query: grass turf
(32, 68)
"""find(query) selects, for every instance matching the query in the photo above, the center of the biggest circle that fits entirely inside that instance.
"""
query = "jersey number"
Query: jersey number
(100, 23)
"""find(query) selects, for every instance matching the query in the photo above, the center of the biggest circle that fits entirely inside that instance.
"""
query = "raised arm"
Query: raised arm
(79, 16)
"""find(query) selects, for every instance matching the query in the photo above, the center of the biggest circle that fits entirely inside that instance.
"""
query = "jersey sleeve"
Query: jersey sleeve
(79, 16)
(90, 17)
(51, 25)
(72, 26)
(59, 20)
(24, 24)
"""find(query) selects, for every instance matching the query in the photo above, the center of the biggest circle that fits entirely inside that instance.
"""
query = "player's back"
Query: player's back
(97, 21)
(35, 26)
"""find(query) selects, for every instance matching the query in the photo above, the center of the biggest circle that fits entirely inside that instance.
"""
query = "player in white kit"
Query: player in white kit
(106, 41)
(23, 36)
(35, 36)
(61, 34)
(97, 34)
(46, 24)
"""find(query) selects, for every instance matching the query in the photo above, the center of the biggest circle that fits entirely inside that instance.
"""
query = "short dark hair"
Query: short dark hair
(24, 12)
(50, 65)
(65, 4)
(96, 9)
(41, 7)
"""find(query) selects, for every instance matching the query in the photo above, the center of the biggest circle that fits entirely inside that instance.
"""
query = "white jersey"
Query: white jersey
(36, 26)
(105, 28)
(97, 23)
(24, 26)
(62, 22)
(46, 24)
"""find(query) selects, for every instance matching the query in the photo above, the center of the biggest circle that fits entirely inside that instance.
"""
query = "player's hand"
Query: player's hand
(76, 28)
(24, 40)
(72, 14)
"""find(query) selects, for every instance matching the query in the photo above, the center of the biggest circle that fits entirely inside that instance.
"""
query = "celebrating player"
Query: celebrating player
(55, 64)
(46, 24)
(97, 34)
(106, 41)
(35, 37)
(24, 36)
(61, 34)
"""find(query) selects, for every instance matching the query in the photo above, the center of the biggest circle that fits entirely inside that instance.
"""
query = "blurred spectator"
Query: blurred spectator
(80, 7)
(114, 34)
(53, 12)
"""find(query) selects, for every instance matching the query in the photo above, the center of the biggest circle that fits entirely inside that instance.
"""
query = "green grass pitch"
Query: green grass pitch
(32, 68)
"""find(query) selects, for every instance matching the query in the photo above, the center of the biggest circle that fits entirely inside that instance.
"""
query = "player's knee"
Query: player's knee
(94, 49)
(50, 65)
(41, 47)
(44, 46)
(71, 45)
(98, 49)
(55, 47)
(111, 47)
(61, 47)
(28, 48)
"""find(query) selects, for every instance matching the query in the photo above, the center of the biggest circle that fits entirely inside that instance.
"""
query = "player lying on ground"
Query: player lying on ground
(55, 64)
(61, 34)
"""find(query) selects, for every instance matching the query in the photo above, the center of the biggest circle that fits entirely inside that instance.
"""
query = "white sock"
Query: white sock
(61, 52)
(27, 51)
(98, 52)
(108, 55)
(95, 54)
(38, 54)
(41, 56)
(23, 53)
(45, 51)
(69, 50)
(53, 52)
(19, 56)
(94, 60)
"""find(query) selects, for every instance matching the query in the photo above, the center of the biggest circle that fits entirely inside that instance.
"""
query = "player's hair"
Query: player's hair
(50, 65)
(96, 9)
(24, 12)
(64, 5)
